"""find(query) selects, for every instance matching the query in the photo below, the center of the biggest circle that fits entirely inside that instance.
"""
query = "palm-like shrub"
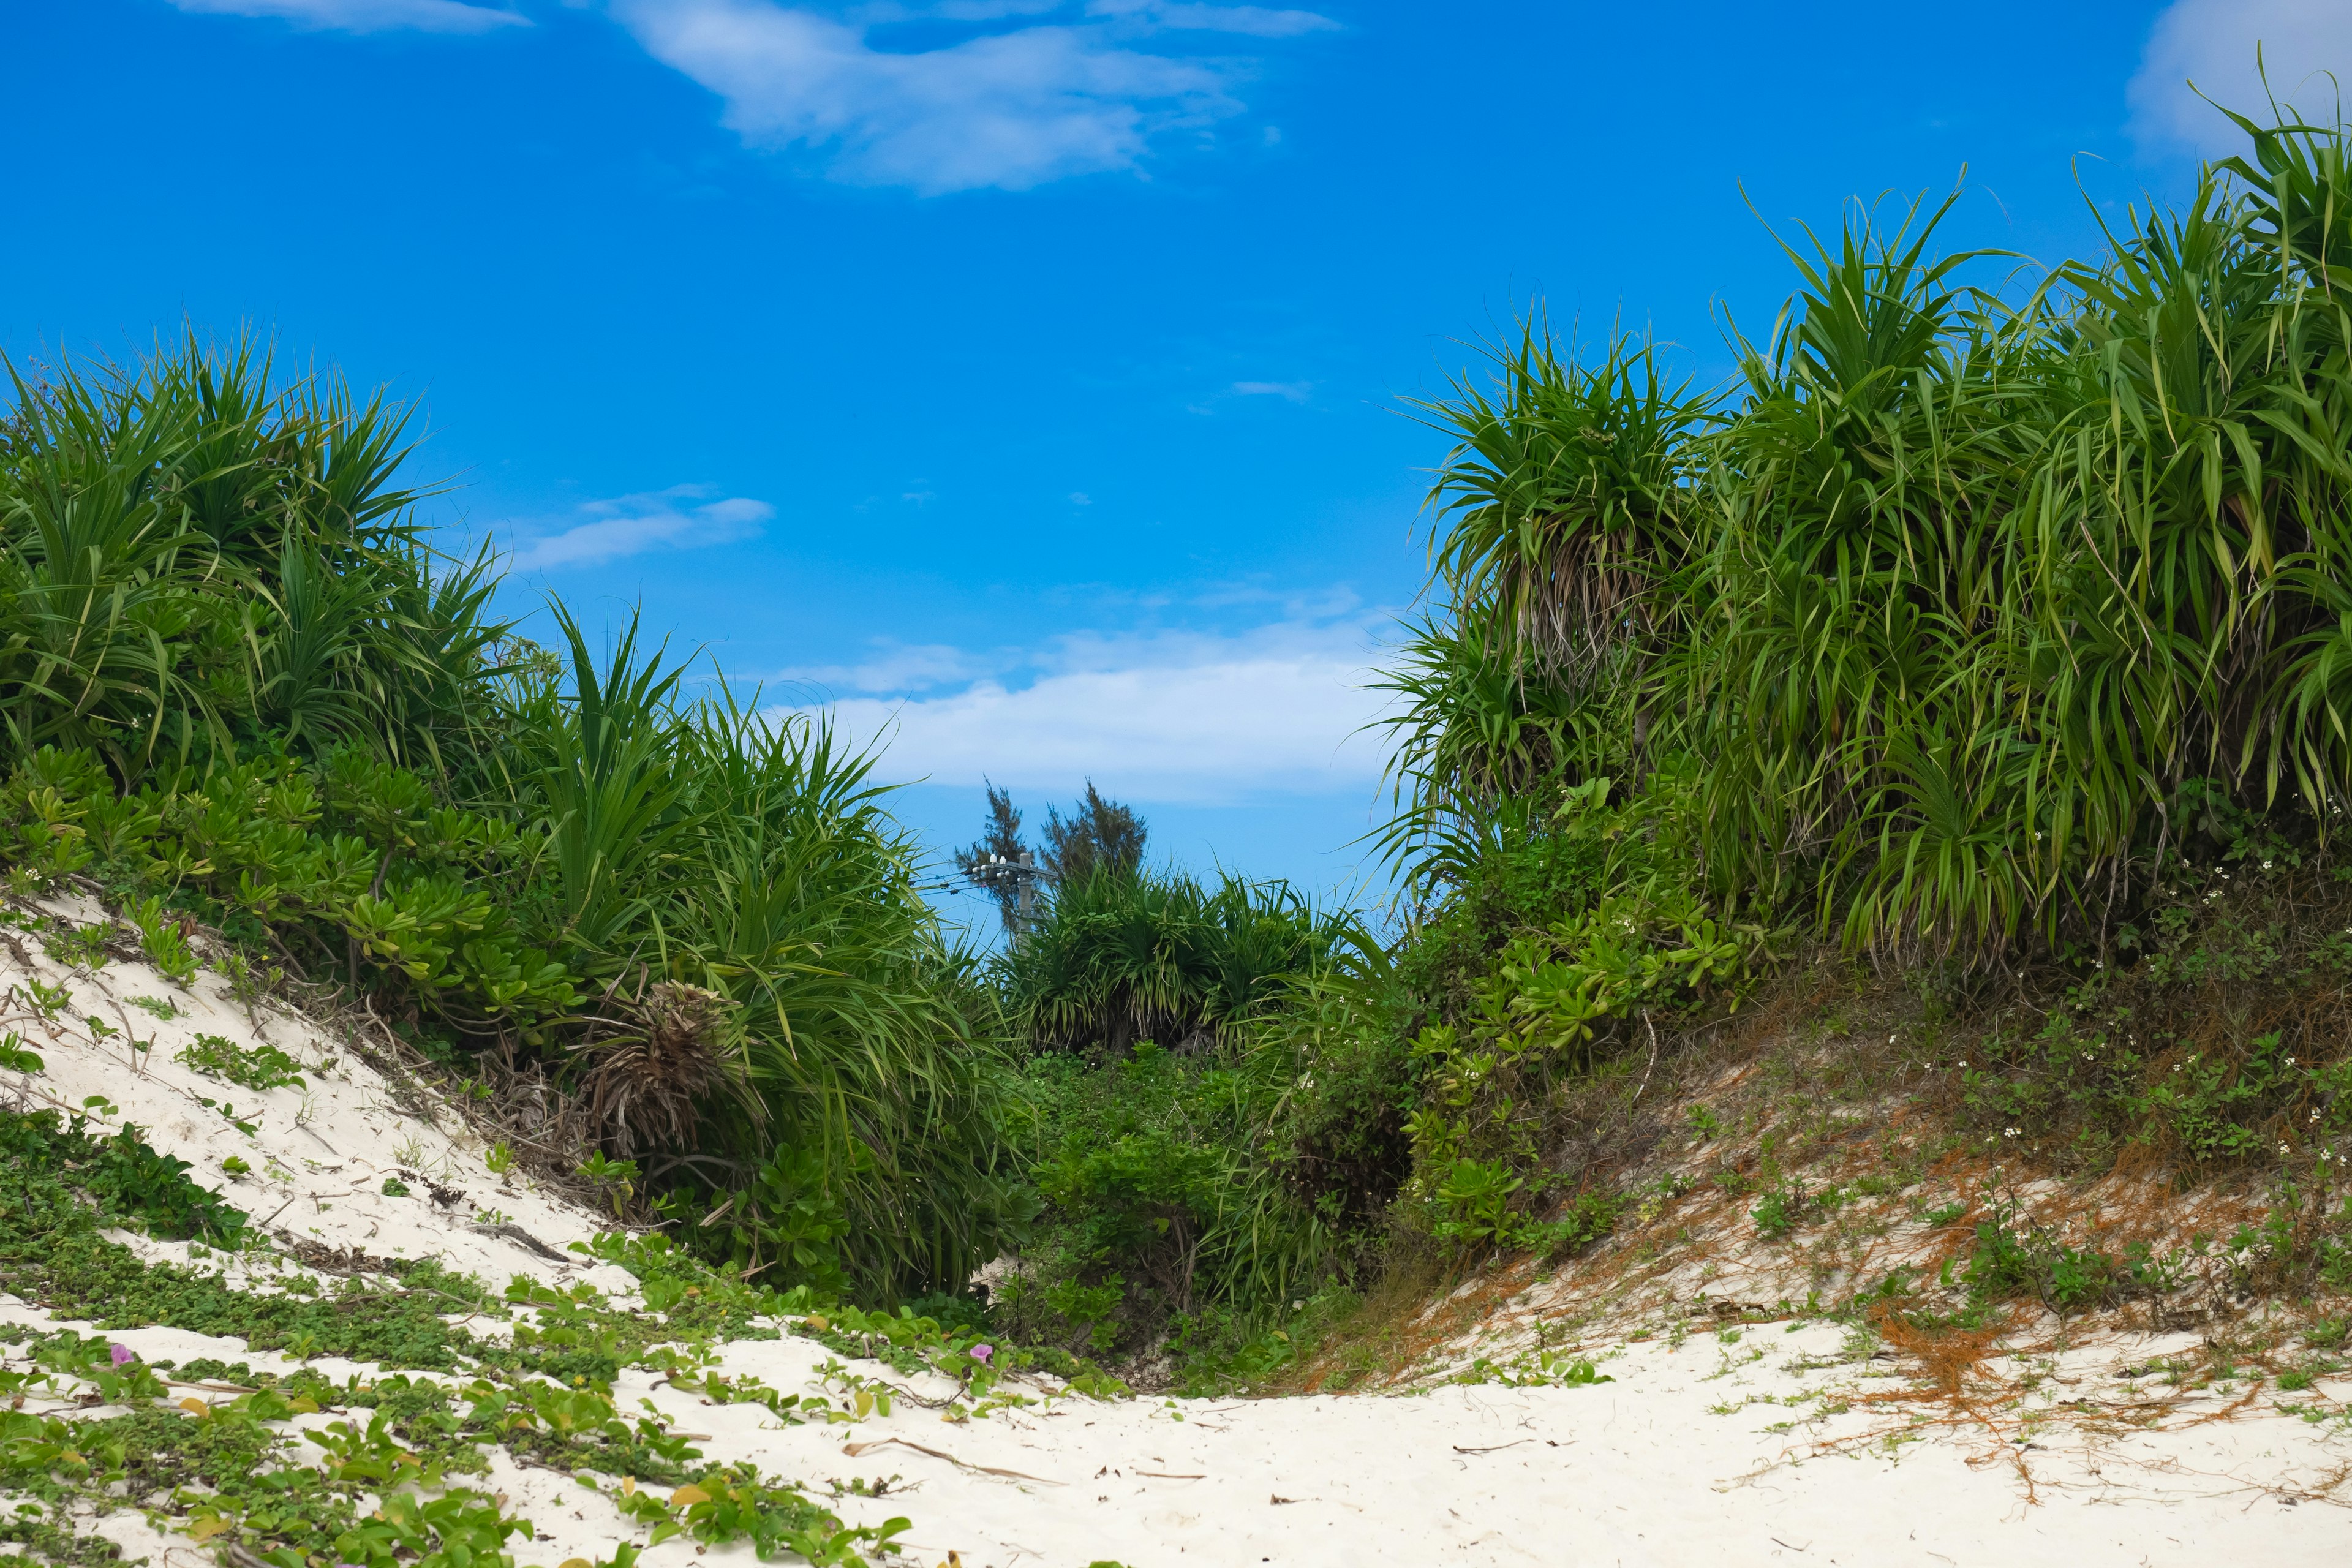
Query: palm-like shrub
(232, 676)
(1565, 504)
(190, 558)
(1970, 593)
(1122, 957)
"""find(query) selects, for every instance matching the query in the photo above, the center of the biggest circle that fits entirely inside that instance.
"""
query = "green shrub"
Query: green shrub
(1927, 719)
(2014, 1256)
(1122, 955)
(1589, 1217)
(1160, 1205)
(238, 687)
(1782, 1209)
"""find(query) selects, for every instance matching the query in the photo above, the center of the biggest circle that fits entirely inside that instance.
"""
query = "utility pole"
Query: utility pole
(1022, 874)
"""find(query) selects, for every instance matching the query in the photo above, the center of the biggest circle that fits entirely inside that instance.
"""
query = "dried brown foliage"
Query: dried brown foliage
(647, 1089)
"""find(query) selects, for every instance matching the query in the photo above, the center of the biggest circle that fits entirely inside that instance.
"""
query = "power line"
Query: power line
(1021, 875)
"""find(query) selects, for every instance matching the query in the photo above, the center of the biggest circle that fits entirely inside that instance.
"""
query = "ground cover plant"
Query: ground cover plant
(387, 1484)
(383, 1467)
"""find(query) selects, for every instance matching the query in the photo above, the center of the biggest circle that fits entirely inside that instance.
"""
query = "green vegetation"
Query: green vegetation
(385, 1490)
(264, 1067)
(1125, 956)
(1976, 628)
(1970, 602)
(388, 1484)
(238, 692)
(1988, 627)
(1993, 630)
(121, 1176)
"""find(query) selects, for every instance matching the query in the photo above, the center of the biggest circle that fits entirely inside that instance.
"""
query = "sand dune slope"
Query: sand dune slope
(1764, 1443)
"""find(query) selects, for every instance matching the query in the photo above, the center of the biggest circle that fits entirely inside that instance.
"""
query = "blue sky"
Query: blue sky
(1022, 378)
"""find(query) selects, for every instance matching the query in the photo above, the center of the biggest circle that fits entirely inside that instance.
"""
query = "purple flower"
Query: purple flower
(981, 1352)
(123, 1356)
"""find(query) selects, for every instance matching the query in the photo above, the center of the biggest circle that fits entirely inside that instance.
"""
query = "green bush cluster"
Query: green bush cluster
(1954, 600)
(1209, 1194)
(1163, 1206)
(128, 1180)
(1522, 996)
(239, 690)
(263, 1067)
(1123, 954)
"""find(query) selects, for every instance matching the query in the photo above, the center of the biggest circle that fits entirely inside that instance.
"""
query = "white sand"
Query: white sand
(1780, 1445)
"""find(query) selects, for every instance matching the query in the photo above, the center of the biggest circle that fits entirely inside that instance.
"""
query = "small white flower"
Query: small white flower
(2012, 1133)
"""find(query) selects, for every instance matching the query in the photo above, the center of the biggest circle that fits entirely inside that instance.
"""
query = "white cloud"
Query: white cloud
(1279, 709)
(367, 16)
(1010, 109)
(1294, 391)
(600, 530)
(1040, 90)
(2211, 43)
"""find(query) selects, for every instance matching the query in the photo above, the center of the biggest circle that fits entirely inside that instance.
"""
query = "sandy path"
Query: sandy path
(1641, 1470)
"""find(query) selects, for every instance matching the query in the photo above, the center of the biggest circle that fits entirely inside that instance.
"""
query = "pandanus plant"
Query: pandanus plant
(1955, 597)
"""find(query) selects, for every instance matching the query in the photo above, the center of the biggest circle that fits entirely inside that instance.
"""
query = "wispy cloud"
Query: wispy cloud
(1293, 391)
(678, 518)
(1012, 108)
(1279, 708)
(2211, 43)
(893, 668)
(1039, 91)
(368, 16)
(1257, 21)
